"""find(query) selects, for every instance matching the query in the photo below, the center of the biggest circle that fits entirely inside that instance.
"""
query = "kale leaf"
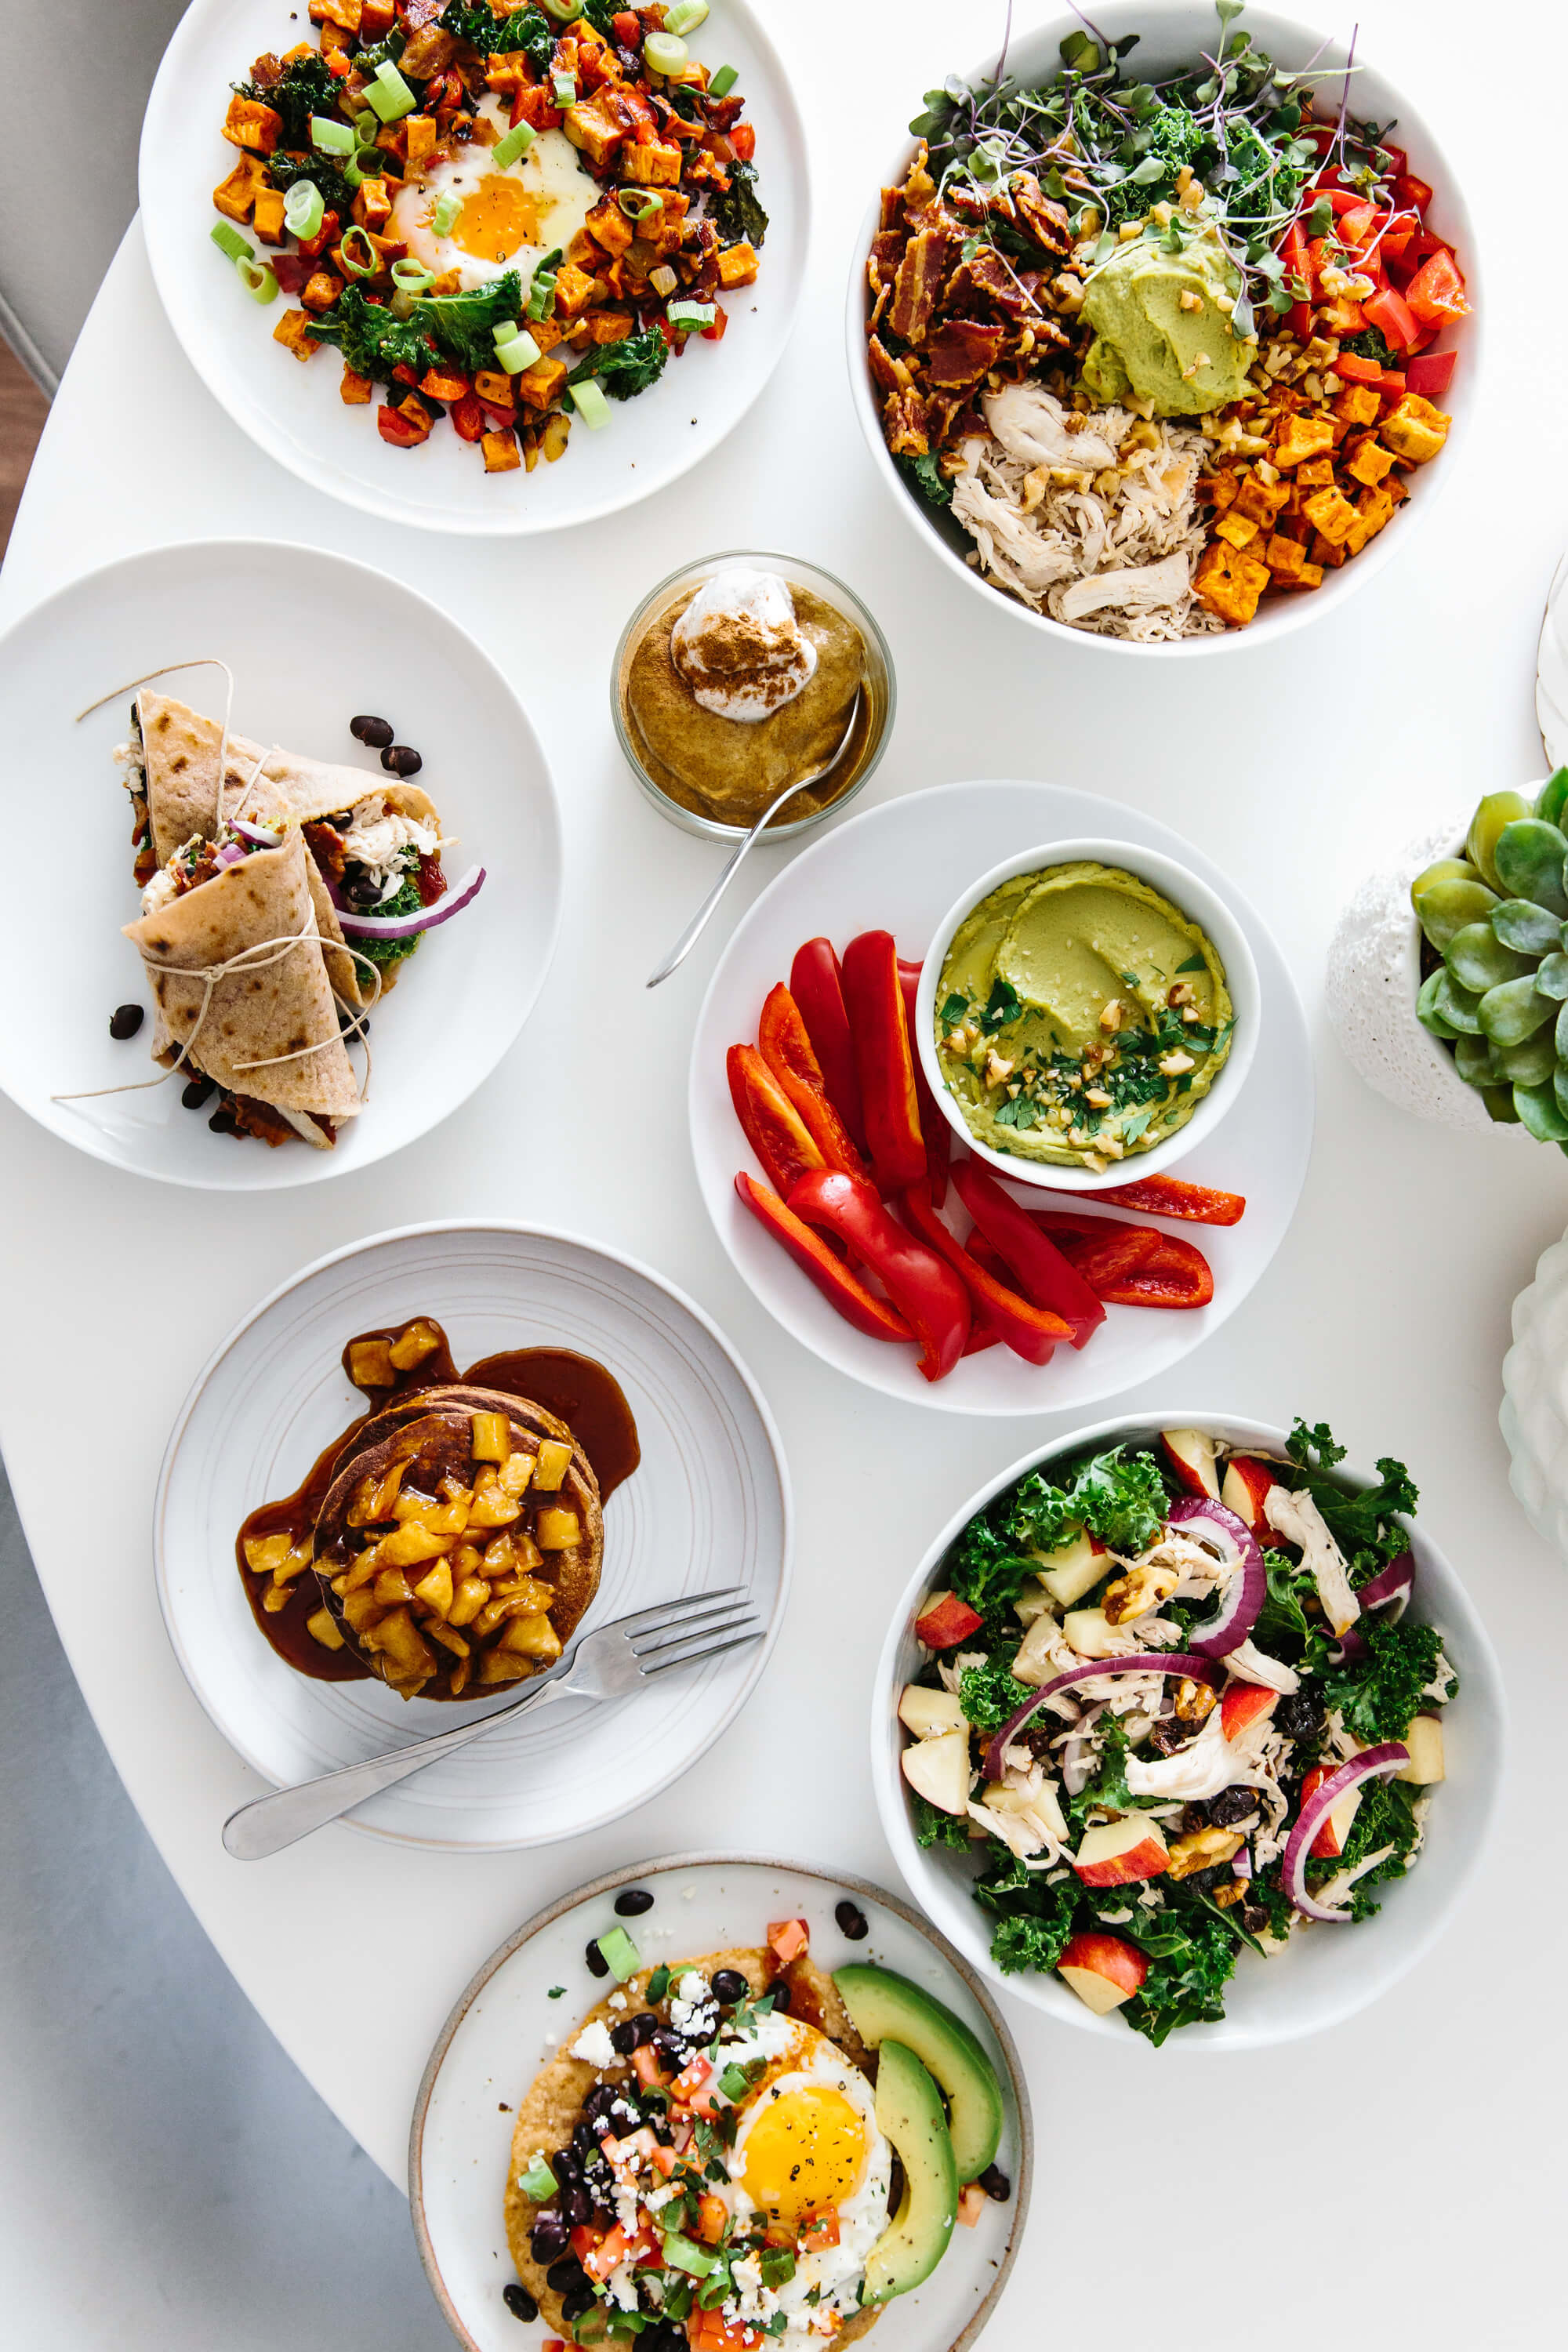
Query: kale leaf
(1120, 1497)
(1373, 346)
(600, 14)
(1361, 1524)
(1377, 1695)
(1283, 1627)
(1108, 1786)
(374, 340)
(405, 901)
(1192, 1954)
(735, 210)
(986, 1568)
(927, 476)
(528, 29)
(933, 1827)
(1169, 137)
(305, 87)
(625, 368)
(464, 325)
(989, 1695)
(321, 171)
(1036, 1913)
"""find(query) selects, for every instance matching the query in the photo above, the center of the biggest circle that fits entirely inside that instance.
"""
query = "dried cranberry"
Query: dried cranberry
(1231, 1805)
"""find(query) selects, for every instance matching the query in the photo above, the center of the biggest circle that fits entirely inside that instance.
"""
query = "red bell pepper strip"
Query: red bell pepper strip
(1411, 192)
(1431, 374)
(1343, 199)
(1168, 1196)
(1298, 264)
(1350, 368)
(840, 1287)
(817, 987)
(785, 1047)
(1028, 1331)
(883, 1061)
(1436, 292)
(933, 1126)
(773, 1127)
(1390, 314)
(981, 1336)
(1041, 1271)
(1125, 1265)
(921, 1285)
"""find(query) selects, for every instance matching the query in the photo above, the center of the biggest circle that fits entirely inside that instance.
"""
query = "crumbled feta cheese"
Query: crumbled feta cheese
(594, 2045)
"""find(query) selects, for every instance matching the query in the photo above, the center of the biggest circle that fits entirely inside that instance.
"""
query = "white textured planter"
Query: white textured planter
(1534, 1414)
(1552, 671)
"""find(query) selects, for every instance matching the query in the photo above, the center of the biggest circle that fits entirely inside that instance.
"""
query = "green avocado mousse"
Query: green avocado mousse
(1080, 1017)
(1161, 307)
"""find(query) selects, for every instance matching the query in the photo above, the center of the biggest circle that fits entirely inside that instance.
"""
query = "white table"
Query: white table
(1419, 2197)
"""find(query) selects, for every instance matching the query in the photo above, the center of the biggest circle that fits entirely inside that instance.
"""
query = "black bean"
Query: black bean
(564, 2275)
(376, 732)
(566, 2165)
(578, 2303)
(600, 2100)
(730, 1986)
(996, 2183)
(194, 1094)
(645, 2024)
(358, 1023)
(584, 2139)
(598, 1965)
(673, 2048)
(782, 1994)
(623, 2037)
(549, 2235)
(126, 1019)
(401, 761)
(223, 1123)
(1231, 1805)
(664, 2338)
(518, 2302)
(852, 1921)
(577, 2205)
(634, 1902)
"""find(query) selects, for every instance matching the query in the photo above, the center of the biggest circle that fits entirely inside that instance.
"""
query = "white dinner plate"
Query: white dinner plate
(293, 411)
(894, 869)
(505, 2026)
(708, 1507)
(261, 605)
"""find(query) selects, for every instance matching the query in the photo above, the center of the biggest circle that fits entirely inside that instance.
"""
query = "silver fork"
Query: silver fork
(607, 1663)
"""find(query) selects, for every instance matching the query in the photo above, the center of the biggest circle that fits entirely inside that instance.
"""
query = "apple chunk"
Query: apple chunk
(1119, 1851)
(1334, 1836)
(1243, 1705)
(928, 1712)
(945, 1620)
(1090, 1633)
(1073, 1567)
(1191, 1454)
(1104, 1970)
(1424, 1738)
(938, 1770)
(1245, 1490)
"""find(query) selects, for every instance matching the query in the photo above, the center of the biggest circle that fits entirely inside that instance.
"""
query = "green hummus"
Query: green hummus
(1149, 343)
(1080, 1017)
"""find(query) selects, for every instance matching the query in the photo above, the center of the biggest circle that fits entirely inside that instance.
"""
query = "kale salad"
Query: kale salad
(1176, 1707)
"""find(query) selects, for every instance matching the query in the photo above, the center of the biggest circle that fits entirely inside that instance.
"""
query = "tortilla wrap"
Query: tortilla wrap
(280, 1005)
(553, 2100)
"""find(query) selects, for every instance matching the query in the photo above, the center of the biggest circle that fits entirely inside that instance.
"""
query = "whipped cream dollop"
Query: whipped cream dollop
(739, 647)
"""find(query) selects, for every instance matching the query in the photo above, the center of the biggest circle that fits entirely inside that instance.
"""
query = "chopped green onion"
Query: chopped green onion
(686, 16)
(541, 287)
(538, 2182)
(734, 2081)
(411, 277)
(389, 94)
(565, 89)
(518, 351)
(518, 141)
(448, 207)
(690, 318)
(356, 241)
(257, 278)
(504, 329)
(616, 1947)
(664, 53)
(723, 83)
(330, 138)
(228, 240)
(658, 1985)
(303, 211)
(681, 2254)
(566, 12)
(637, 204)
(367, 128)
(591, 404)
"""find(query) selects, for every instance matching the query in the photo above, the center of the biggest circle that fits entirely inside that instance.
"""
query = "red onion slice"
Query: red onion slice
(257, 833)
(1245, 1595)
(1372, 1764)
(1153, 1662)
(1390, 1588)
(402, 926)
(229, 854)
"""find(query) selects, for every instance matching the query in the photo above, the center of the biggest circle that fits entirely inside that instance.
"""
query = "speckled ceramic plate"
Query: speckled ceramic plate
(505, 2025)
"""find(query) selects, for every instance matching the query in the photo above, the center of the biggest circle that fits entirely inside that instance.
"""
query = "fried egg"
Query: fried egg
(506, 219)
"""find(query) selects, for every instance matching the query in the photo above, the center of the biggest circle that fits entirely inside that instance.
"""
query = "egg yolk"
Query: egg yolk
(807, 2150)
(498, 218)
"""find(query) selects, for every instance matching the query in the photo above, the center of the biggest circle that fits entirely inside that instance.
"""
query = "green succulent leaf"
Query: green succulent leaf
(1551, 975)
(1526, 927)
(1511, 1012)
(1530, 1065)
(1473, 1061)
(1446, 869)
(1448, 906)
(1560, 1086)
(1528, 858)
(1491, 814)
(1426, 1011)
(1541, 1114)
(1500, 1105)
(1562, 1035)
(1479, 959)
(1459, 1007)
(1553, 797)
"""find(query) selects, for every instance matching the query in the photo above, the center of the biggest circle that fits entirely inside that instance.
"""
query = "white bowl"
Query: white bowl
(1323, 1978)
(1170, 35)
(1195, 899)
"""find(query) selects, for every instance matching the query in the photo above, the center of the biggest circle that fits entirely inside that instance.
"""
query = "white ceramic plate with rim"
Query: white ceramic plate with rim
(893, 870)
(708, 1507)
(255, 604)
(1170, 35)
(505, 2026)
(293, 411)
(1325, 1975)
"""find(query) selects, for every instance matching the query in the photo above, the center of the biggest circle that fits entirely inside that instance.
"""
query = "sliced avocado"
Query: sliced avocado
(888, 2007)
(908, 2110)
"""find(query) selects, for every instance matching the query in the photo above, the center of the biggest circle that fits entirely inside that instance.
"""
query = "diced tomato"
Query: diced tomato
(394, 426)
(645, 2064)
(1412, 192)
(468, 416)
(743, 139)
(627, 27)
(599, 2256)
(787, 1939)
(665, 2159)
(1429, 373)
(1343, 199)
(690, 2079)
(972, 2203)
(821, 2229)
(1436, 292)
(1390, 314)
(709, 2331)
(715, 333)
(711, 2215)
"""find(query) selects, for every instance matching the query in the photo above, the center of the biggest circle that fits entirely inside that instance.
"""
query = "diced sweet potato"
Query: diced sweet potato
(1370, 464)
(501, 452)
(321, 290)
(418, 137)
(1284, 558)
(376, 20)
(737, 265)
(609, 326)
(1314, 473)
(1230, 582)
(1236, 527)
(1302, 437)
(1331, 514)
(444, 383)
(651, 164)
(236, 195)
(249, 123)
(539, 384)
(268, 217)
(293, 331)
(372, 204)
(343, 13)
(1328, 552)
(590, 126)
(574, 290)
(608, 226)
(1413, 429)
(1260, 501)
(1358, 404)
(1311, 575)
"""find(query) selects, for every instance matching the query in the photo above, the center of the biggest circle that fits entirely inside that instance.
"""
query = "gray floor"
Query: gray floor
(166, 2176)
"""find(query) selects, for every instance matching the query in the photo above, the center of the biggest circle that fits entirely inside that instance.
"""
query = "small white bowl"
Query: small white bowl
(1325, 1976)
(1171, 35)
(1201, 906)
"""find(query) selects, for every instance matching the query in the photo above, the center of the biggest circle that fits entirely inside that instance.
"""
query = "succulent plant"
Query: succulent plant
(1498, 919)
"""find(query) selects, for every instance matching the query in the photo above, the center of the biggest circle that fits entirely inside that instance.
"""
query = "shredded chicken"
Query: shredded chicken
(1254, 1666)
(1091, 526)
(1298, 1519)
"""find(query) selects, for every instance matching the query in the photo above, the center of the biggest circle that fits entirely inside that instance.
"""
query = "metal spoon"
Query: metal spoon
(698, 923)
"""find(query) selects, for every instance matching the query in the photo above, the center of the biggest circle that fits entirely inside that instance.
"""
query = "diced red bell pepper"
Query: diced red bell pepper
(773, 1127)
(312, 248)
(714, 333)
(842, 1289)
(1343, 199)
(1390, 314)
(787, 1939)
(468, 416)
(883, 1060)
(1398, 160)
(814, 984)
(1041, 1271)
(627, 27)
(743, 139)
(1356, 223)
(1394, 242)
(933, 1126)
(1436, 292)
(1168, 1196)
(1410, 192)
(921, 1285)
(1029, 1331)
(400, 430)
(1298, 266)
(1350, 368)
(785, 1047)
(1431, 374)
(981, 1336)
(645, 2063)
(711, 2215)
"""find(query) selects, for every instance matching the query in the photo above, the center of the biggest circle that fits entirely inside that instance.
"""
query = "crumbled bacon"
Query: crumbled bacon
(906, 422)
(960, 352)
(1046, 221)
(325, 844)
(919, 281)
(884, 375)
